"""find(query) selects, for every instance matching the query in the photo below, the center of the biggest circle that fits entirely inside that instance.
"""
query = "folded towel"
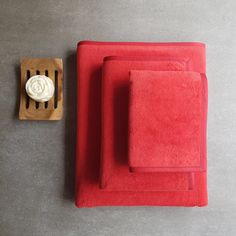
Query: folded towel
(165, 121)
(192, 191)
(115, 174)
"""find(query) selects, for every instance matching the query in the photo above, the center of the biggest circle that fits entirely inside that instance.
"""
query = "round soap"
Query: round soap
(40, 88)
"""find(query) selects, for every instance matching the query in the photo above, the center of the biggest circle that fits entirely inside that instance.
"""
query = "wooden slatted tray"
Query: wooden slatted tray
(51, 110)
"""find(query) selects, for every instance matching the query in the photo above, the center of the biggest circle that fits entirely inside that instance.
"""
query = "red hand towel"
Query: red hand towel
(115, 174)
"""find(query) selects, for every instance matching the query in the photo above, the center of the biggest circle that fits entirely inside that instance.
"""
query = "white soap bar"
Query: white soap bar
(40, 88)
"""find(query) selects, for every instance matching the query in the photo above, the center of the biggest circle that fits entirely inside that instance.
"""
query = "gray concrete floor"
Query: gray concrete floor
(37, 158)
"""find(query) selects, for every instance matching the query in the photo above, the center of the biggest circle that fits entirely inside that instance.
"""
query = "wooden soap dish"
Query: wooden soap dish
(51, 110)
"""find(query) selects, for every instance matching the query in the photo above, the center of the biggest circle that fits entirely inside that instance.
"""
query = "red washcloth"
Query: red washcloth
(165, 121)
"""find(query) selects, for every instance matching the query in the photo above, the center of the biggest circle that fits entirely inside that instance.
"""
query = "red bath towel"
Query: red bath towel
(102, 172)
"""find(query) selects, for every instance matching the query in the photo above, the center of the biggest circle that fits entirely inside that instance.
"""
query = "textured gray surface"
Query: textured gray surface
(37, 158)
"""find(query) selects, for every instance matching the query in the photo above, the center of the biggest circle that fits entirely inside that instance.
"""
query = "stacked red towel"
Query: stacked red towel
(141, 124)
